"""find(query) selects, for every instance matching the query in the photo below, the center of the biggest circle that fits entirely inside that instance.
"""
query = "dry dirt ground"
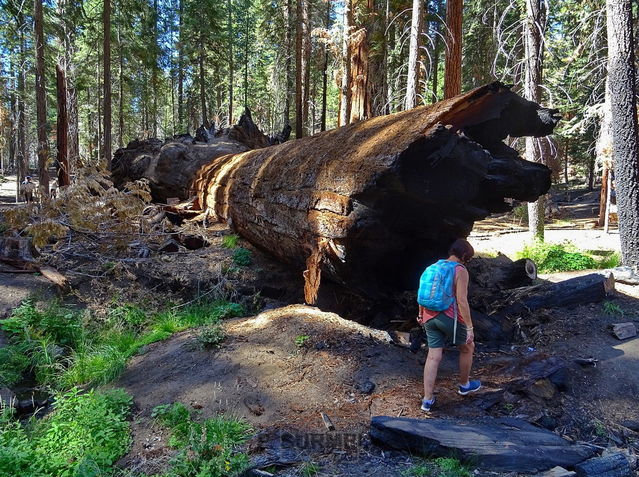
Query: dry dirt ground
(284, 366)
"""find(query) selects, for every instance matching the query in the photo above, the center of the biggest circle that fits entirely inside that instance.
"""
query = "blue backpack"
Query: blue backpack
(436, 286)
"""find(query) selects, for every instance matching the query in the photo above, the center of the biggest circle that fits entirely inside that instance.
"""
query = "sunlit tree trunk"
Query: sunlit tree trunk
(412, 82)
(534, 29)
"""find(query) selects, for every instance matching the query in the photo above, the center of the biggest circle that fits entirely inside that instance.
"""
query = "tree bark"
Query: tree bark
(106, 23)
(625, 146)
(41, 101)
(412, 83)
(534, 29)
(62, 135)
(452, 67)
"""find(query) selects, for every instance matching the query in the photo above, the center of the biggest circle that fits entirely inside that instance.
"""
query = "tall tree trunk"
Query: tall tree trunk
(603, 150)
(452, 67)
(300, 65)
(62, 128)
(41, 100)
(246, 53)
(325, 71)
(22, 158)
(306, 47)
(288, 41)
(436, 55)
(345, 93)
(154, 79)
(534, 29)
(625, 146)
(121, 91)
(205, 115)
(181, 127)
(229, 26)
(412, 83)
(385, 68)
(106, 22)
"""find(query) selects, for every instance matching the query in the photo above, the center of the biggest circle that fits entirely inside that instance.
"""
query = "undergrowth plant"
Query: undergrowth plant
(62, 348)
(84, 435)
(565, 256)
(210, 447)
(243, 257)
(230, 241)
(211, 336)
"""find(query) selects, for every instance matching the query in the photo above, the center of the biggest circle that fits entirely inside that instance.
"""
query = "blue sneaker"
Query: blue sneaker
(471, 388)
(427, 405)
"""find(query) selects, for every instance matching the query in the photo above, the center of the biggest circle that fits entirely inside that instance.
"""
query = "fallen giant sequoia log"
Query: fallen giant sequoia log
(170, 165)
(371, 204)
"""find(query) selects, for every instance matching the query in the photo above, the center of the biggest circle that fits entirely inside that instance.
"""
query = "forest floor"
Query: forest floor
(285, 365)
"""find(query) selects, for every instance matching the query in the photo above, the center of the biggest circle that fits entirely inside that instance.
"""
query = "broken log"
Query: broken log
(25, 266)
(489, 277)
(170, 165)
(373, 203)
(575, 291)
(501, 444)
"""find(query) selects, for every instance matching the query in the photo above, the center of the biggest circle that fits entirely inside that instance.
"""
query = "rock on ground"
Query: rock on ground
(501, 444)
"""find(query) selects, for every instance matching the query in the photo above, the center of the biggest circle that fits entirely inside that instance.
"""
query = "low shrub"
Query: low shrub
(243, 257)
(84, 435)
(211, 336)
(554, 257)
(208, 448)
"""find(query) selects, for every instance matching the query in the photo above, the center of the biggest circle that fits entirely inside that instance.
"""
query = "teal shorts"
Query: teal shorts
(439, 331)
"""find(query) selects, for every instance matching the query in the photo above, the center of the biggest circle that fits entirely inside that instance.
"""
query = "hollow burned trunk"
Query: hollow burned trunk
(373, 203)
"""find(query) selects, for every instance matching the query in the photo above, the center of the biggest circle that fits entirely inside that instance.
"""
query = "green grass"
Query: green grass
(565, 256)
(84, 435)
(450, 467)
(243, 257)
(204, 448)
(301, 340)
(309, 469)
(422, 469)
(230, 241)
(62, 348)
(611, 308)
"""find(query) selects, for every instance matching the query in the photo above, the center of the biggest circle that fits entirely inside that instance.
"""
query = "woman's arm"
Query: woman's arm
(461, 293)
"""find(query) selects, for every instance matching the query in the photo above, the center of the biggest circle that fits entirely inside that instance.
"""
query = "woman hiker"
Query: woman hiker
(454, 324)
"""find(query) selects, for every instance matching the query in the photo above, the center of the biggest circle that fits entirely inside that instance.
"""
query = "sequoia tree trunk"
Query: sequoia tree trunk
(372, 218)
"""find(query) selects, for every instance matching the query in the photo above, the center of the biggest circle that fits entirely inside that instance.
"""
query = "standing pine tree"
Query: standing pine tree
(625, 148)
(41, 100)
